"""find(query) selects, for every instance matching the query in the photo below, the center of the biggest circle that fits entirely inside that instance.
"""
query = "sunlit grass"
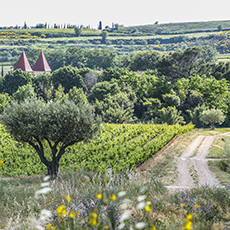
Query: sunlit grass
(89, 200)
(86, 200)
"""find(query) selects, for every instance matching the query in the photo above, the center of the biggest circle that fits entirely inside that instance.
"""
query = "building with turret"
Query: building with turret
(41, 65)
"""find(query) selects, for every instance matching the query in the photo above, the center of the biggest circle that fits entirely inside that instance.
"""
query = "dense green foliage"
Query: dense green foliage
(176, 90)
(120, 147)
(172, 87)
(212, 116)
(60, 124)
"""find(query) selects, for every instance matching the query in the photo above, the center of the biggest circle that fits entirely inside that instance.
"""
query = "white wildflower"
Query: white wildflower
(125, 215)
(42, 191)
(46, 178)
(123, 206)
(148, 202)
(37, 225)
(140, 225)
(122, 225)
(141, 205)
(45, 214)
(45, 184)
(141, 198)
(122, 193)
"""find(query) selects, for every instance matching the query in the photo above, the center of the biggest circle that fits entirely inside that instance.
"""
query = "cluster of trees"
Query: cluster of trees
(63, 108)
(121, 95)
(77, 57)
(145, 86)
(9, 55)
(200, 60)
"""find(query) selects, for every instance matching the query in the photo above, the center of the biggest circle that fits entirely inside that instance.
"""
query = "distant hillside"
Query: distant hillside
(179, 28)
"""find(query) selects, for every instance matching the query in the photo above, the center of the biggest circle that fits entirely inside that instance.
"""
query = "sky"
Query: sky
(123, 12)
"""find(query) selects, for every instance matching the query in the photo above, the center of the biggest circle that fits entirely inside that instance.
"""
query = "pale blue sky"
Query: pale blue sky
(126, 12)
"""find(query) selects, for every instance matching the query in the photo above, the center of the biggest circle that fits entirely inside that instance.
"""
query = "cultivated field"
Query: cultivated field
(85, 199)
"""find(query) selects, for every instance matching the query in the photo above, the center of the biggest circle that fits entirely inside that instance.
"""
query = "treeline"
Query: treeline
(174, 65)
(137, 61)
(172, 88)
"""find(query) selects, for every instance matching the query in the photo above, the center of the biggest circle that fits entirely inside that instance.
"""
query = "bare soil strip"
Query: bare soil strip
(184, 179)
(192, 147)
(205, 176)
(205, 147)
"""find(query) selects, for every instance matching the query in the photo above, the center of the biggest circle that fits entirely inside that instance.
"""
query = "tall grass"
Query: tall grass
(85, 200)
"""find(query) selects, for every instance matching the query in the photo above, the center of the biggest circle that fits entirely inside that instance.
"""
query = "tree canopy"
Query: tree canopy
(212, 117)
(61, 124)
(68, 77)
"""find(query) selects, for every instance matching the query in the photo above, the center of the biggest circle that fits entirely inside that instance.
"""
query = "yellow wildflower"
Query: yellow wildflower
(106, 227)
(53, 228)
(195, 206)
(94, 214)
(182, 205)
(147, 208)
(1, 162)
(113, 197)
(61, 210)
(64, 212)
(188, 217)
(99, 196)
(72, 214)
(153, 228)
(188, 225)
(68, 198)
(93, 219)
(48, 226)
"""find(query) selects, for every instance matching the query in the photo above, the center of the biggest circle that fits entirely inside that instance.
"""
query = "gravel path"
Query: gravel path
(205, 177)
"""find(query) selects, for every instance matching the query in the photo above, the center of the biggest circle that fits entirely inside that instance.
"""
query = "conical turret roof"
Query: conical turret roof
(23, 63)
(42, 65)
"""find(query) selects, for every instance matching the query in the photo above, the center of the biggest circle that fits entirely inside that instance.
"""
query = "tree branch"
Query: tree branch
(62, 149)
(40, 151)
(49, 142)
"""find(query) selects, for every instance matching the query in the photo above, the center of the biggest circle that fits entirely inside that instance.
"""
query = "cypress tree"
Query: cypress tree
(2, 70)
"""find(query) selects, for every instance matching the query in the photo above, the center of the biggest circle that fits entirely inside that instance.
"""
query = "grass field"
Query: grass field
(180, 28)
(89, 200)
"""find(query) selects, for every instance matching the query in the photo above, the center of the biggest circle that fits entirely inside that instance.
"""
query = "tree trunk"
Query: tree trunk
(53, 169)
(212, 126)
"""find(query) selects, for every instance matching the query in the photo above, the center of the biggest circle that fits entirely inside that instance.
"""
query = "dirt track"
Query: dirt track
(205, 177)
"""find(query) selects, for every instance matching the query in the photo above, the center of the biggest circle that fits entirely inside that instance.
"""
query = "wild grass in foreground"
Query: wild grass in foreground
(86, 200)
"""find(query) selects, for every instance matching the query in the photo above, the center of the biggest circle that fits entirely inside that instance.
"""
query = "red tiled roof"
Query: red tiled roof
(42, 64)
(23, 63)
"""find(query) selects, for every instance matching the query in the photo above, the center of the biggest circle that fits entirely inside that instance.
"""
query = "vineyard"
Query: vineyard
(119, 147)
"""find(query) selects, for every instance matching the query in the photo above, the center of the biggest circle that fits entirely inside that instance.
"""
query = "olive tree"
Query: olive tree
(212, 117)
(60, 124)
